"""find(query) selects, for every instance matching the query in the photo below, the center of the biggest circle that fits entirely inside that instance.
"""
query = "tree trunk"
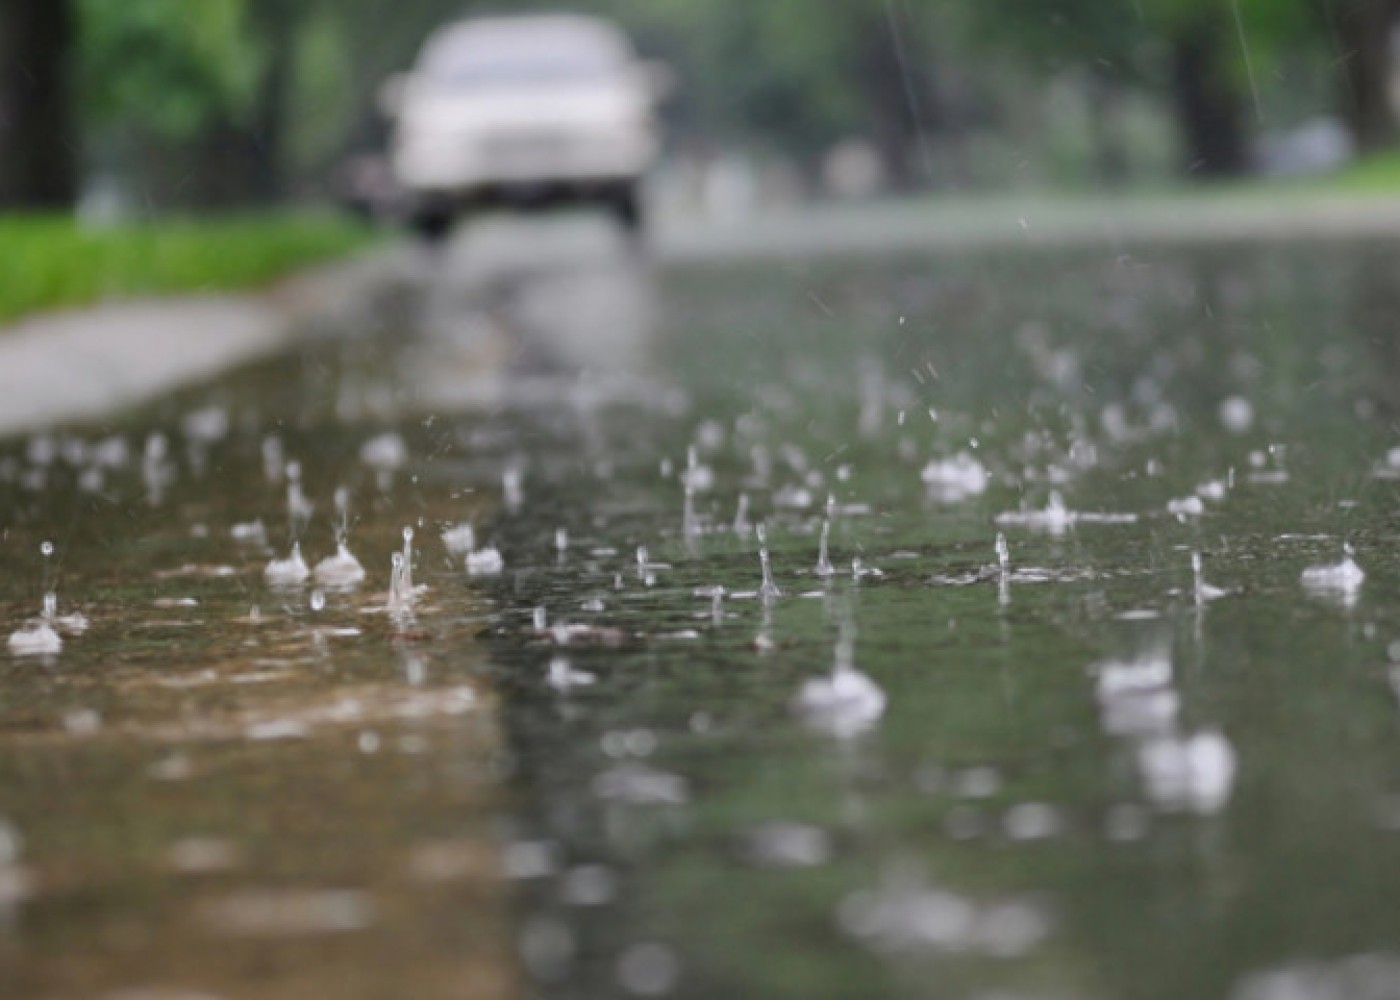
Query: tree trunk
(276, 21)
(38, 162)
(1111, 162)
(1363, 30)
(896, 98)
(1208, 105)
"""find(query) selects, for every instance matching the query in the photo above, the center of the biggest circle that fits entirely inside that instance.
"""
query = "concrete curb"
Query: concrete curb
(82, 364)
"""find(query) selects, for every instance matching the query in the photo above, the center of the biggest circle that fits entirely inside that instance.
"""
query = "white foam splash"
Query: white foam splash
(1342, 578)
(289, 572)
(956, 478)
(1188, 774)
(339, 570)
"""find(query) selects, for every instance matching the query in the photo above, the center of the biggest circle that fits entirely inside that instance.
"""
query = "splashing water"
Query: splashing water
(860, 571)
(298, 506)
(1003, 571)
(485, 562)
(1201, 590)
(956, 478)
(38, 637)
(460, 539)
(844, 703)
(341, 569)
(742, 525)
(75, 622)
(408, 561)
(562, 676)
(401, 596)
(1340, 579)
(386, 453)
(690, 525)
(512, 488)
(289, 572)
(698, 478)
(274, 459)
(1184, 507)
(768, 589)
(35, 638)
(824, 567)
(1188, 774)
(1056, 518)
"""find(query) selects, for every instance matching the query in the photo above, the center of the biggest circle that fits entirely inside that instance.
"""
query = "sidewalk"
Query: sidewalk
(83, 363)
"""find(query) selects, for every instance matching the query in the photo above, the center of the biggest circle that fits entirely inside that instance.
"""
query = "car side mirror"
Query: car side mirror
(390, 97)
(658, 78)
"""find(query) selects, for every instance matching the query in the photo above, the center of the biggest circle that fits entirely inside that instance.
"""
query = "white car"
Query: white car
(525, 110)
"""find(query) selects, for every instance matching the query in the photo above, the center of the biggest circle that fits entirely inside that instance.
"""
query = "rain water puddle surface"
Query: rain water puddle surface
(1072, 670)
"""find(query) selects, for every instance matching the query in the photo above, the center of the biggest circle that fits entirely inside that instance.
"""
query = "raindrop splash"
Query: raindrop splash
(38, 637)
(400, 602)
(341, 569)
(846, 702)
(1340, 580)
(742, 525)
(408, 560)
(824, 567)
(768, 590)
(1200, 589)
(298, 506)
(289, 572)
(460, 539)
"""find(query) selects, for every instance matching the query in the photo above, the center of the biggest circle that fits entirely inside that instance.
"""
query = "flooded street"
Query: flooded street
(996, 623)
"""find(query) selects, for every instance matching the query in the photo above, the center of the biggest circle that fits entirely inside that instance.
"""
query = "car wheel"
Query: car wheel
(626, 207)
(433, 226)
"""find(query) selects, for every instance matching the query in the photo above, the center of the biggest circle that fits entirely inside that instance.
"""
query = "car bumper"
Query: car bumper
(520, 163)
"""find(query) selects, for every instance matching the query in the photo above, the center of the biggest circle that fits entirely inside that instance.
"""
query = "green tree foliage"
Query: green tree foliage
(38, 167)
(229, 100)
(167, 66)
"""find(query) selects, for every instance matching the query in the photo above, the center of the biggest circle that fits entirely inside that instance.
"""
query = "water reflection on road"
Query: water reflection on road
(1025, 690)
(520, 311)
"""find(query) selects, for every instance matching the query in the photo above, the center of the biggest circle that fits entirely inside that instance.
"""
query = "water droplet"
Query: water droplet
(741, 517)
(768, 590)
(824, 567)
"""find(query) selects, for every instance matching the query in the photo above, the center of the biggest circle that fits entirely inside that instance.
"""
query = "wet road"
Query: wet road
(932, 764)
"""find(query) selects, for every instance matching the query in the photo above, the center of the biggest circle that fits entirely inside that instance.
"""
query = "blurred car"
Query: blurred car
(523, 110)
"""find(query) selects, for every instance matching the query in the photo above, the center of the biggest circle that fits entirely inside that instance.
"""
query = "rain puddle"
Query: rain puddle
(1024, 625)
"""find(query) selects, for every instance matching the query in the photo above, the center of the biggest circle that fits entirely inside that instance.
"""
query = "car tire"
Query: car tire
(626, 206)
(432, 226)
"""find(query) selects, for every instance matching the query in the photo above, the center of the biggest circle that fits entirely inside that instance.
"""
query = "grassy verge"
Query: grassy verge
(52, 262)
(1378, 173)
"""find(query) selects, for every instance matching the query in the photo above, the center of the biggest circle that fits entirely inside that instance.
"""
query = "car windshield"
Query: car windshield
(523, 53)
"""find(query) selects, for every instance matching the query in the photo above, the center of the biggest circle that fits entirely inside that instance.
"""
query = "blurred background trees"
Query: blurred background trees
(156, 104)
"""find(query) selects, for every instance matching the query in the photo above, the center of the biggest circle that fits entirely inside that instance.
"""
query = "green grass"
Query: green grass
(50, 262)
(1378, 173)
